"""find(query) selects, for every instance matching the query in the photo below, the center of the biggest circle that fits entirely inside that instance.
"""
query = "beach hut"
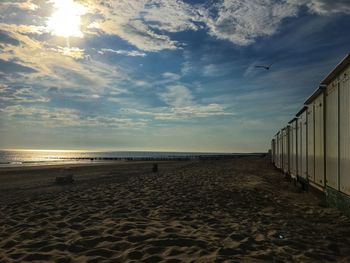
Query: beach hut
(285, 149)
(293, 147)
(302, 145)
(337, 130)
(310, 143)
(315, 126)
(315, 146)
(332, 132)
(276, 155)
(273, 150)
(278, 162)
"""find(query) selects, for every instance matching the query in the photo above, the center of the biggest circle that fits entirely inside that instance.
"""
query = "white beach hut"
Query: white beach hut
(273, 150)
(315, 126)
(310, 143)
(302, 144)
(316, 145)
(279, 150)
(293, 147)
(337, 130)
(276, 150)
(285, 149)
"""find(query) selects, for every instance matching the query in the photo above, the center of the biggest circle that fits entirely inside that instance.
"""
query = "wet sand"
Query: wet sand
(237, 210)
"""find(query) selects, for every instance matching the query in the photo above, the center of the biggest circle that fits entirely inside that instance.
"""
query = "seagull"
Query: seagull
(265, 67)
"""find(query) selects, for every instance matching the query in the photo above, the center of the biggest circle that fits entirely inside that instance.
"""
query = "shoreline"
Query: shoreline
(87, 159)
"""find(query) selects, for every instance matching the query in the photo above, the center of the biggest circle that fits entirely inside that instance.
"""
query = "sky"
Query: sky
(161, 75)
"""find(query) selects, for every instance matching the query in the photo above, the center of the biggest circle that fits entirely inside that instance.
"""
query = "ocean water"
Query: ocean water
(12, 158)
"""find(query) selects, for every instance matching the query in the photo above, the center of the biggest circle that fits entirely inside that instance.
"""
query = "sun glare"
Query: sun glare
(65, 21)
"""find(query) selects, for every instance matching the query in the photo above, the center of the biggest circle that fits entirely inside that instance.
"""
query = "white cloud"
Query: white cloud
(329, 7)
(140, 83)
(123, 18)
(172, 16)
(177, 96)
(186, 68)
(181, 113)
(216, 70)
(26, 5)
(140, 35)
(180, 106)
(22, 29)
(239, 21)
(74, 94)
(242, 21)
(132, 53)
(54, 65)
(73, 52)
(20, 94)
(146, 23)
(66, 117)
(171, 76)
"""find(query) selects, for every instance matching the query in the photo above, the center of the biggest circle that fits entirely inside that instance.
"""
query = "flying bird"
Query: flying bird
(263, 66)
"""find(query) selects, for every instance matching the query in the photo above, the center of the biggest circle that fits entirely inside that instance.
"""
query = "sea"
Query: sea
(15, 158)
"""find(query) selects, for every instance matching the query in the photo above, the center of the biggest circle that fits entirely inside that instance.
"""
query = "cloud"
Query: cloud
(180, 106)
(140, 83)
(177, 96)
(172, 16)
(15, 94)
(132, 53)
(329, 7)
(200, 111)
(243, 21)
(140, 35)
(146, 24)
(66, 117)
(127, 23)
(181, 113)
(73, 52)
(43, 63)
(171, 76)
(239, 21)
(217, 70)
(13, 29)
(73, 94)
(26, 5)
(186, 68)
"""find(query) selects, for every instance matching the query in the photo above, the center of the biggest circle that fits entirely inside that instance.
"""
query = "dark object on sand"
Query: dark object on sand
(155, 168)
(65, 178)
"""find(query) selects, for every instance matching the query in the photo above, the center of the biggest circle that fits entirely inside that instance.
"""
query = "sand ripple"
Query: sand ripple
(212, 211)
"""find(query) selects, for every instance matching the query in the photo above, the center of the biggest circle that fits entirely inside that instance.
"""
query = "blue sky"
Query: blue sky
(161, 75)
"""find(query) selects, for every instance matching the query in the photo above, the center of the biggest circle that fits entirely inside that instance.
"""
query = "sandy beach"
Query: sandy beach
(232, 210)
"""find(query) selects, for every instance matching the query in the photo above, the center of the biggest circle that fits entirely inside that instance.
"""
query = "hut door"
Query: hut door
(332, 135)
(344, 132)
(319, 141)
(310, 143)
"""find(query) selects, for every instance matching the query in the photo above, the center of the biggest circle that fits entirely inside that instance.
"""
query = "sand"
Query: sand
(238, 210)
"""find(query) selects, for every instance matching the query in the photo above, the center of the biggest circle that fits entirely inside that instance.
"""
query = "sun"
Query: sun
(66, 21)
